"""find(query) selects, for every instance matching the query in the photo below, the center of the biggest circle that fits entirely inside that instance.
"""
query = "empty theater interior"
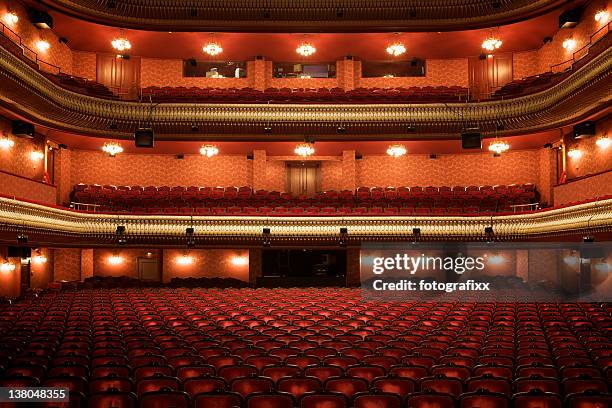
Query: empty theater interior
(234, 204)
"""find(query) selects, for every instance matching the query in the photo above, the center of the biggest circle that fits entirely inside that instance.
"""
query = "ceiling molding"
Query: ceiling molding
(304, 15)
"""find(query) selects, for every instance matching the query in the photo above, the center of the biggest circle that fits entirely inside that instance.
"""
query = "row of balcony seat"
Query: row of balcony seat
(365, 200)
(302, 95)
(528, 85)
(82, 85)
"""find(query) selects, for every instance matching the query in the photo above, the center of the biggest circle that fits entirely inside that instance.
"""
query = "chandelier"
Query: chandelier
(112, 148)
(569, 43)
(304, 149)
(212, 48)
(499, 146)
(396, 150)
(306, 49)
(121, 44)
(209, 150)
(396, 49)
(604, 142)
(491, 43)
(6, 143)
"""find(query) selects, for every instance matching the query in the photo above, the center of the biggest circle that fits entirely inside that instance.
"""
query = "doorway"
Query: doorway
(303, 178)
(149, 270)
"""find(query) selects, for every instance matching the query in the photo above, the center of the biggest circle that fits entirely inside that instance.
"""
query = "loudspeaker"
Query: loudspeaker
(19, 252)
(584, 129)
(41, 19)
(471, 140)
(250, 156)
(144, 137)
(433, 156)
(259, 57)
(180, 156)
(343, 230)
(358, 156)
(348, 57)
(23, 129)
(570, 18)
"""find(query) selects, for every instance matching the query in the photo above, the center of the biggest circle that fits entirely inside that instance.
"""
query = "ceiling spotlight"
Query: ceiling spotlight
(43, 45)
(11, 18)
(396, 150)
(341, 129)
(121, 43)
(304, 149)
(569, 44)
(212, 48)
(574, 153)
(603, 142)
(112, 148)
(268, 129)
(209, 150)
(396, 49)
(491, 43)
(499, 146)
(602, 16)
(6, 143)
(305, 49)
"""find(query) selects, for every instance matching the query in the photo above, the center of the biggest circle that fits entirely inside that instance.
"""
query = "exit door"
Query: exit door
(148, 269)
(303, 178)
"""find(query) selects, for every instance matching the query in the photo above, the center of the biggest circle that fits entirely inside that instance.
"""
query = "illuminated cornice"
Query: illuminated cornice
(27, 92)
(304, 15)
(50, 225)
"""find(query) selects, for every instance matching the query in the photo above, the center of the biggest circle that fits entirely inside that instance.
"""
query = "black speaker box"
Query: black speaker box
(585, 129)
(23, 129)
(471, 140)
(570, 18)
(144, 137)
(41, 19)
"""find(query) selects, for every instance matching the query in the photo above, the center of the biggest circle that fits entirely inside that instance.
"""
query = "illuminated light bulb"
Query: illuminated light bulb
(212, 48)
(115, 259)
(209, 150)
(7, 267)
(112, 148)
(304, 149)
(396, 49)
(11, 18)
(306, 49)
(569, 44)
(37, 155)
(574, 153)
(121, 44)
(603, 142)
(184, 260)
(240, 260)
(602, 16)
(43, 45)
(39, 259)
(491, 44)
(499, 146)
(396, 150)
(6, 143)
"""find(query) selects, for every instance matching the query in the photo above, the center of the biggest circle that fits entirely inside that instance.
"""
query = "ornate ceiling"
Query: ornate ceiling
(304, 15)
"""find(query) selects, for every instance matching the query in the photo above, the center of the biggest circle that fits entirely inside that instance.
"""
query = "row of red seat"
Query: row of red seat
(288, 347)
(300, 95)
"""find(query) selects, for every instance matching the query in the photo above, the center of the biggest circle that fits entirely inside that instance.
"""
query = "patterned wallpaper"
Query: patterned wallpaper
(331, 175)
(165, 72)
(275, 175)
(525, 64)
(594, 159)
(16, 160)
(584, 189)
(10, 280)
(42, 273)
(67, 264)
(62, 180)
(139, 169)
(458, 169)
(228, 263)
(438, 72)
(27, 189)
(84, 64)
(547, 163)
(58, 54)
(129, 266)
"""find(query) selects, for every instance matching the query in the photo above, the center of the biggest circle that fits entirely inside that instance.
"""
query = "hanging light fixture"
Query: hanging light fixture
(304, 149)
(396, 150)
(602, 16)
(499, 146)
(491, 43)
(212, 48)
(569, 44)
(574, 153)
(6, 143)
(396, 49)
(112, 148)
(11, 18)
(209, 150)
(604, 142)
(6, 266)
(43, 45)
(121, 43)
(306, 49)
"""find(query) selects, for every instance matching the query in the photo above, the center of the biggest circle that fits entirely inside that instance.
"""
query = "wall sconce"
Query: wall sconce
(496, 259)
(39, 258)
(6, 267)
(569, 44)
(6, 143)
(43, 45)
(602, 16)
(603, 142)
(239, 260)
(115, 259)
(11, 18)
(184, 259)
(37, 155)
(574, 153)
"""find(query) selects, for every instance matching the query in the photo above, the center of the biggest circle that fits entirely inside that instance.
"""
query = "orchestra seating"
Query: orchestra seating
(285, 348)
(365, 200)
(301, 95)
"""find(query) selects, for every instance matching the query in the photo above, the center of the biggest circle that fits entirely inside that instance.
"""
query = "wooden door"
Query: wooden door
(148, 269)
(303, 178)
(122, 76)
(489, 74)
